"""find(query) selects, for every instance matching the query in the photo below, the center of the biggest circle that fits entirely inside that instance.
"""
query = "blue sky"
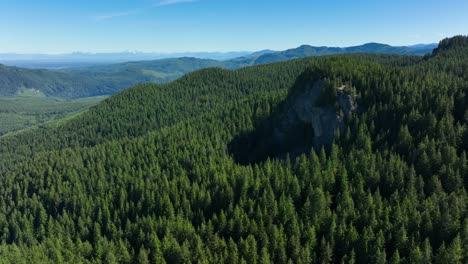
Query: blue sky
(57, 26)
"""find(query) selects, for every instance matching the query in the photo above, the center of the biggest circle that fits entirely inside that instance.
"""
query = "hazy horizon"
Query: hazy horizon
(180, 26)
(162, 53)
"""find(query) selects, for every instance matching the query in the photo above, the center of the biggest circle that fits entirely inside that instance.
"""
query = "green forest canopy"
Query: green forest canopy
(146, 175)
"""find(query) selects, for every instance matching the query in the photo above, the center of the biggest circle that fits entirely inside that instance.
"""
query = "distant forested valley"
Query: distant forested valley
(72, 83)
(26, 111)
(349, 158)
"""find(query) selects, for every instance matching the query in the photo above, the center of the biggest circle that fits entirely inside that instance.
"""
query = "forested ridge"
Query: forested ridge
(147, 176)
(14, 81)
(113, 78)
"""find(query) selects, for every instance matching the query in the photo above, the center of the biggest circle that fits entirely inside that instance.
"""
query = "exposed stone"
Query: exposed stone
(346, 102)
(304, 108)
(300, 123)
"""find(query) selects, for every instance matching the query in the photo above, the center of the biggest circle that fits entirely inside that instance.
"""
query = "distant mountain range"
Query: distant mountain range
(424, 46)
(306, 51)
(108, 79)
(83, 59)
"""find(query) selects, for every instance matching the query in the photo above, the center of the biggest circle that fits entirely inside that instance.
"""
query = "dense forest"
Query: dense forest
(15, 81)
(148, 175)
(22, 112)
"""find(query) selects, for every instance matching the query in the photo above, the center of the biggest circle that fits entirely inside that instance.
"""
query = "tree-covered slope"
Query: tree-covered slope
(97, 80)
(110, 79)
(147, 176)
(170, 69)
(21, 112)
(14, 80)
(159, 71)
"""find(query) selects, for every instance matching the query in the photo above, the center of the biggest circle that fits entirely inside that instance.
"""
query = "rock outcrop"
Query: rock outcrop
(304, 110)
(303, 121)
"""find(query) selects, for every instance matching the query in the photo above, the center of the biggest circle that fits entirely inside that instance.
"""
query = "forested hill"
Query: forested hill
(127, 74)
(148, 175)
(110, 79)
(98, 80)
(308, 51)
(14, 81)
(160, 71)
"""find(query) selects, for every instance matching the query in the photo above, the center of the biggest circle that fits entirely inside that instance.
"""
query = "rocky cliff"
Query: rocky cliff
(300, 123)
(304, 109)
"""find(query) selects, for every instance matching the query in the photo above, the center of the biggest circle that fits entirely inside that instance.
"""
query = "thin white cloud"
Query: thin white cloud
(172, 2)
(141, 10)
(117, 14)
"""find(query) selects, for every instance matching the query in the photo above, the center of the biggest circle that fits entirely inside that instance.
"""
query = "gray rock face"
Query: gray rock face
(305, 120)
(303, 110)
(346, 102)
